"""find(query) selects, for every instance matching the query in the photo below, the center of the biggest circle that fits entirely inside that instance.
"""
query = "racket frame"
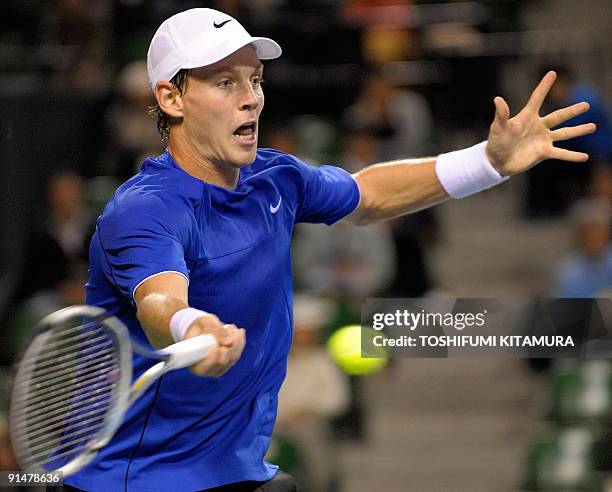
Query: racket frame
(176, 356)
(113, 417)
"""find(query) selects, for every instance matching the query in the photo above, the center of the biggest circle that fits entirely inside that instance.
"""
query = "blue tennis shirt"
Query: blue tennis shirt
(187, 432)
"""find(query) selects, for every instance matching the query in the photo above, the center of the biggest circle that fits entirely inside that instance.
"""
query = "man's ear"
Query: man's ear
(169, 99)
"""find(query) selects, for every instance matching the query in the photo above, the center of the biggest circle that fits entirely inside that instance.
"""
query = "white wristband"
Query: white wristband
(468, 171)
(182, 320)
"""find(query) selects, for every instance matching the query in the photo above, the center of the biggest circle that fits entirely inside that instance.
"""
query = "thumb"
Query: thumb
(502, 111)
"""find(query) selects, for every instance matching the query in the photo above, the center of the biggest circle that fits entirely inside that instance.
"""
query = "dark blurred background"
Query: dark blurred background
(359, 82)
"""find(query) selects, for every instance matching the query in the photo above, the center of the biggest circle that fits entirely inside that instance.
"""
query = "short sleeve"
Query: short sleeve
(329, 194)
(141, 241)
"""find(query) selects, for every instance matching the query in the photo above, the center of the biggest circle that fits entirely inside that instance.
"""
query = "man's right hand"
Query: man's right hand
(231, 341)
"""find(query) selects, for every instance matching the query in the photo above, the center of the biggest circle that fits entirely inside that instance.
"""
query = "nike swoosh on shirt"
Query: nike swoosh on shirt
(275, 209)
(221, 24)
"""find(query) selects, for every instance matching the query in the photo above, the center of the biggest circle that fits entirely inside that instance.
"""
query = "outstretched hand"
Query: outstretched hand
(519, 143)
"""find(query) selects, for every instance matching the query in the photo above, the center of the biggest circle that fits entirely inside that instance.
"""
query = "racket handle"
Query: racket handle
(190, 351)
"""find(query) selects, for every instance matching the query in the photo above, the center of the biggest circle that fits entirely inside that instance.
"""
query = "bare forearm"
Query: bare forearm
(154, 313)
(162, 303)
(397, 188)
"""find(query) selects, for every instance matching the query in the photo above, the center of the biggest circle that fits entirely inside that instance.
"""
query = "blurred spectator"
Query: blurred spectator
(81, 30)
(568, 90)
(308, 137)
(91, 76)
(414, 236)
(316, 138)
(55, 258)
(56, 252)
(588, 271)
(384, 124)
(600, 188)
(385, 37)
(347, 264)
(399, 119)
(132, 130)
(360, 149)
(344, 261)
(387, 44)
(285, 136)
(553, 186)
(7, 459)
(314, 391)
(601, 184)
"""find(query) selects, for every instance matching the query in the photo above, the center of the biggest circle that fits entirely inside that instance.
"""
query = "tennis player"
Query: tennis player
(198, 242)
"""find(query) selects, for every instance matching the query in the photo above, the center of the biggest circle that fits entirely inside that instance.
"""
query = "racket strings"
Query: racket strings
(57, 377)
(59, 357)
(44, 394)
(67, 388)
(61, 438)
(67, 450)
(43, 413)
(75, 428)
(50, 413)
(56, 405)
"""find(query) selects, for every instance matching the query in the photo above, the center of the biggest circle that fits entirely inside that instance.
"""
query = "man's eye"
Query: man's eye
(257, 81)
(225, 83)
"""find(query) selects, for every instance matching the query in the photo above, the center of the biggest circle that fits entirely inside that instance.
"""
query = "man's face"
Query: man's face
(222, 104)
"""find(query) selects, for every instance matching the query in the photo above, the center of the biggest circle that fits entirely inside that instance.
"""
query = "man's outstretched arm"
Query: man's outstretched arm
(160, 298)
(514, 145)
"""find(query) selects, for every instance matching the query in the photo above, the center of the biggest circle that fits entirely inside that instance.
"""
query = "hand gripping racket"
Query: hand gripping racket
(72, 386)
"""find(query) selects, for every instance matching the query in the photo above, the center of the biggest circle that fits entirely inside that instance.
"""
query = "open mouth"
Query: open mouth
(247, 132)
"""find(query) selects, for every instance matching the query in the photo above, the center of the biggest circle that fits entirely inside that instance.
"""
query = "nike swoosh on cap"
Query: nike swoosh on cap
(221, 24)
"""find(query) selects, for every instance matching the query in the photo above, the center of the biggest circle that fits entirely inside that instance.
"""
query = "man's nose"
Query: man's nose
(249, 99)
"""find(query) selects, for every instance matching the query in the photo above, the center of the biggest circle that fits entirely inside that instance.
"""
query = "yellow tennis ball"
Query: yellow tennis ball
(344, 347)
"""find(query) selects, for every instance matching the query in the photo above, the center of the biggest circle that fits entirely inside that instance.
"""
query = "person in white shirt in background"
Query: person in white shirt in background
(314, 392)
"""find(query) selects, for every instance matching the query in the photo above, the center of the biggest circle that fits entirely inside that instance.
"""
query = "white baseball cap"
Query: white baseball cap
(197, 38)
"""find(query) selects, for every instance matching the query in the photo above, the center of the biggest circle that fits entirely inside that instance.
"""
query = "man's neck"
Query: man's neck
(190, 160)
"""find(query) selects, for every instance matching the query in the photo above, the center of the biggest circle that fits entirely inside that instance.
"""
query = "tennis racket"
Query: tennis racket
(73, 386)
